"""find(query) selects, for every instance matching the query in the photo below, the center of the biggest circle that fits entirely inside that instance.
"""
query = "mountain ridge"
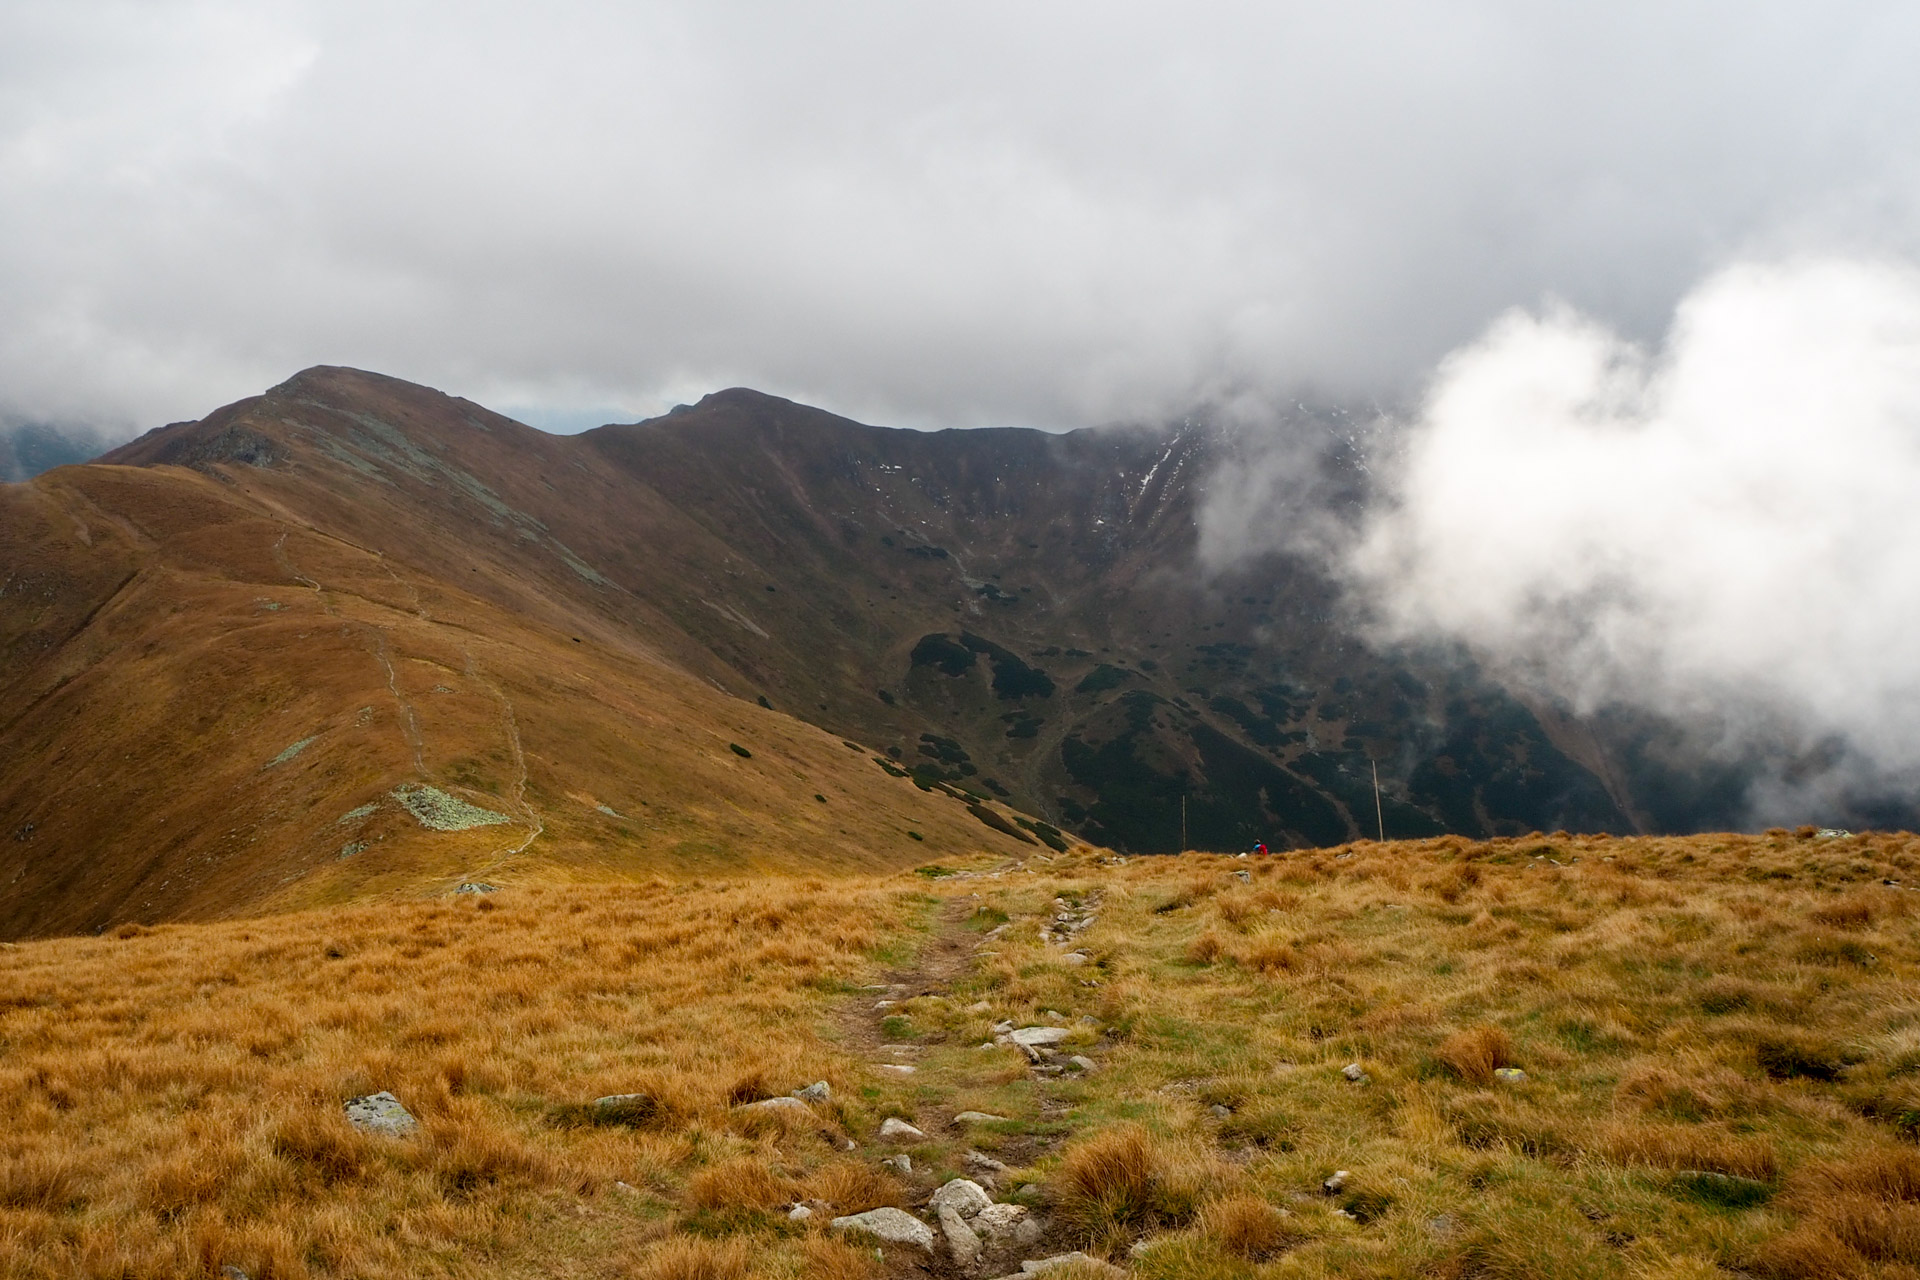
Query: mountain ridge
(1016, 621)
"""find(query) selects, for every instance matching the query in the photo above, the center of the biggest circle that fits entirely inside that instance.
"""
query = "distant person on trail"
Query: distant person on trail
(1261, 848)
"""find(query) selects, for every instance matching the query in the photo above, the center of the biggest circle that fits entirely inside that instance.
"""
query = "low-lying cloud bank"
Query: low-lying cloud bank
(1724, 531)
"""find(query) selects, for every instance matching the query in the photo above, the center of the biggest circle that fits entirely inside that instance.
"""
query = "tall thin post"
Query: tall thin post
(1183, 823)
(1379, 814)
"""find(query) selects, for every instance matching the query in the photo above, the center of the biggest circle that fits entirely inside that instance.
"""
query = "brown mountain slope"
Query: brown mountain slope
(209, 707)
(839, 570)
(410, 581)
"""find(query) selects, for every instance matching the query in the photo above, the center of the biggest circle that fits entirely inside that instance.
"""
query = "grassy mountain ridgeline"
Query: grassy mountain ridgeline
(1536, 1057)
(570, 632)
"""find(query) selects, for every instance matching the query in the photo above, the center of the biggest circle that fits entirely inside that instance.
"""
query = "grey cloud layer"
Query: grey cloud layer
(943, 215)
(1718, 529)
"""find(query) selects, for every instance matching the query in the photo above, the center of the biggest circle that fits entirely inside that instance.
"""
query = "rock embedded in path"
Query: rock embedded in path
(978, 1117)
(895, 1226)
(1006, 1226)
(893, 1129)
(1083, 1062)
(380, 1113)
(953, 1204)
(897, 1068)
(963, 1243)
(981, 1160)
(1034, 1037)
(962, 1195)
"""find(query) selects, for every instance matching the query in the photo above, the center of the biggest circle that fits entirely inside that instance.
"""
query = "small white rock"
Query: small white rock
(1333, 1186)
(799, 1213)
(818, 1091)
(901, 1163)
(1083, 1062)
(1076, 958)
(787, 1106)
(978, 1117)
(897, 1068)
(1034, 1037)
(893, 1129)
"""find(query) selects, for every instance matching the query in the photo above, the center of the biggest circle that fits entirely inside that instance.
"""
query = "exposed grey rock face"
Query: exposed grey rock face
(380, 1113)
(818, 1091)
(895, 1226)
(902, 1164)
(1034, 1037)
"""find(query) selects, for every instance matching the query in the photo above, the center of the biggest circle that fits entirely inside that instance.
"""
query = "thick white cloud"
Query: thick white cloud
(995, 212)
(1721, 530)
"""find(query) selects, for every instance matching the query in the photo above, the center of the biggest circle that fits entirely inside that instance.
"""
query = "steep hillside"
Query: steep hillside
(210, 708)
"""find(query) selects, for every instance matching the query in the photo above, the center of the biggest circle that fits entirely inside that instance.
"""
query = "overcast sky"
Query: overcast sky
(1040, 213)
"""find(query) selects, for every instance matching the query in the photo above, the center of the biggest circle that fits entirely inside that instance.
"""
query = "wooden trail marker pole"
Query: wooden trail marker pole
(1379, 814)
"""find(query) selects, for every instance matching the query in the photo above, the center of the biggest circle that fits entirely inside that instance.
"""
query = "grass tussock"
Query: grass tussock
(696, 1258)
(1476, 1053)
(1247, 1226)
(1120, 1182)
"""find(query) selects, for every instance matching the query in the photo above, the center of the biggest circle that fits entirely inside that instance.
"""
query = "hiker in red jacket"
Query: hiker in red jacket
(1261, 848)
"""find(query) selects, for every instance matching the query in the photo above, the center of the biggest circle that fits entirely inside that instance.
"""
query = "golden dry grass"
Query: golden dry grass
(1720, 1044)
(174, 1094)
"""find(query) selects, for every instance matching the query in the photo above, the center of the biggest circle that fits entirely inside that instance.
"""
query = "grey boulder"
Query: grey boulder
(895, 1226)
(380, 1113)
